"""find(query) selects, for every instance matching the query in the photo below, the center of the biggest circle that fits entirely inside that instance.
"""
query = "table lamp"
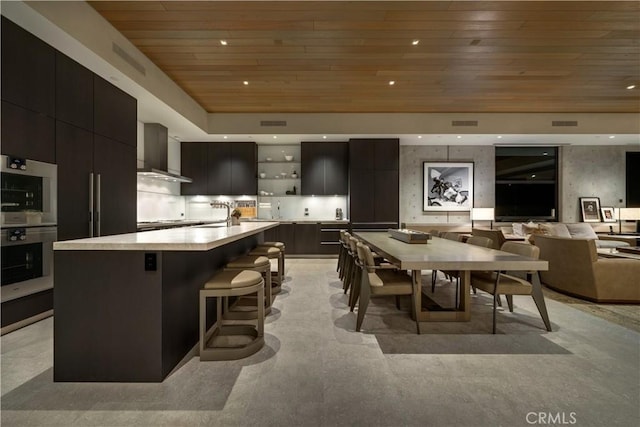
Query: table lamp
(482, 214)
(628, 214)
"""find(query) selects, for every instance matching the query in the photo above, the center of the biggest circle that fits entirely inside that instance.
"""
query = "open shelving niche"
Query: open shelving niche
(274, 181)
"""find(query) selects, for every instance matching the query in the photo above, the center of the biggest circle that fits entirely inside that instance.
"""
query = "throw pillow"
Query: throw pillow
(556, 229)
(581, 230)
(517, 229)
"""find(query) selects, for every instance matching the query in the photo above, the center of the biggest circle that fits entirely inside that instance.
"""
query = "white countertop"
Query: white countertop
(302, 220)
(198, 238)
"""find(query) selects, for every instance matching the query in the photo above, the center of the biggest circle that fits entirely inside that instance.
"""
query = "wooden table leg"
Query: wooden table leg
(465, 298)
(416, 276)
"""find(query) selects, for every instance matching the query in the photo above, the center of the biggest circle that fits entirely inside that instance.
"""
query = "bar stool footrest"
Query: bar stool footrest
(232, 342)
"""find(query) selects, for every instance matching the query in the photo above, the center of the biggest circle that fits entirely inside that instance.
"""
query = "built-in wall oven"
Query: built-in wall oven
(29, 219)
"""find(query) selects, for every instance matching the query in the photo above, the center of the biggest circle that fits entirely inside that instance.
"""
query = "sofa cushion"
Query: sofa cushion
(610, 243)
(581, 230)
(558, 229)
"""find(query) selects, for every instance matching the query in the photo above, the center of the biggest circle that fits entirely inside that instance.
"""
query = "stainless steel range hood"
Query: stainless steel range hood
(156, 153)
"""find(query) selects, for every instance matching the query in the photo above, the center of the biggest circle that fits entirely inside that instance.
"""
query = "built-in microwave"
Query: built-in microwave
(29, 192)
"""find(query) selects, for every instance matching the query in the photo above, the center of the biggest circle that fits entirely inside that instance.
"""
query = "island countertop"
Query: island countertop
(198, 238)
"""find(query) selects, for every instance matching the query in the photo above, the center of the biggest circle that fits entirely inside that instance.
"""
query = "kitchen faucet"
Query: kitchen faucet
(220, 205)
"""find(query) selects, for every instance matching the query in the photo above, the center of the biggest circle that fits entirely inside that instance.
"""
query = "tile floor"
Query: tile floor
(315, 370)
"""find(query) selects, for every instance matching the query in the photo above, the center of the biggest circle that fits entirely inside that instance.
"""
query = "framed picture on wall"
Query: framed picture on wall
(447, 186)
(590, 209)
(608, 214)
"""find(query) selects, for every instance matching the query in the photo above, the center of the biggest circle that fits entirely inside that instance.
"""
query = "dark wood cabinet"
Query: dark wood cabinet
(361, 195)
(113, 164)
(27, 134)
(307, 238)
(193, 163)
(28, 70)
(219, 168)
(324, 168)
(386, 154)
(312, 169)
(244, 166)
(74, 148)
(115, 112)
(336, 168)
(74, 93)
(286, 235)
(374, 183)
(386, 204)
(330, 238)
(361, 154)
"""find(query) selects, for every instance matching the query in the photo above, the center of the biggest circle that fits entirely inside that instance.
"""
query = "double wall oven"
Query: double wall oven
(29, 227)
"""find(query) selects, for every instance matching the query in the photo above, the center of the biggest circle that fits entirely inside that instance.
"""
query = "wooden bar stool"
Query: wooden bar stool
(245, 307)
(282, 247)
(230, 342)
(272, 252)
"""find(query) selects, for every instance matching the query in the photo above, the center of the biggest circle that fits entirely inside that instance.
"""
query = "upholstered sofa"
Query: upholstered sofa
(575, 269)
(579, 230)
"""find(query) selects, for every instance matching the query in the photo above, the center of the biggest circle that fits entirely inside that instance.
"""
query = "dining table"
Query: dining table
(447, 255)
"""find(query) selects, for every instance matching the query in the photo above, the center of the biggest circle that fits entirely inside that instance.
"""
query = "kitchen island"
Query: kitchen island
(126, 306)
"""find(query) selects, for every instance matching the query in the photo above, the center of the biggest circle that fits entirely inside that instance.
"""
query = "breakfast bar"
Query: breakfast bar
(126, 306)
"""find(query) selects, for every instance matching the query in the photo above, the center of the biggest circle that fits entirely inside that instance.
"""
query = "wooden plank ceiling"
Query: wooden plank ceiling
(338, 56)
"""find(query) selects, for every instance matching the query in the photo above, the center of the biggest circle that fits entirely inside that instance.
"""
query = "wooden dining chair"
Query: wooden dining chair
(499, 283)
(495, 235)
(380, 281)
(484, 242)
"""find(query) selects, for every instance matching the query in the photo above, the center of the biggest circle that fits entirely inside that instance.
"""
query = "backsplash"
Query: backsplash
(319, 207)
(159, 200)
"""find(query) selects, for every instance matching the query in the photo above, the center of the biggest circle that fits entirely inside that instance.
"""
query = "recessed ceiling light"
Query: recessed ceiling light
(459, 136)
(611, 136)
(245, 82)
(631, 87)
(224, 137)
(223, 42)
(499, 136)
(324, 136)
(392, 82)
(275, 137)
(419, 136)
(533, 176)
(415, 42)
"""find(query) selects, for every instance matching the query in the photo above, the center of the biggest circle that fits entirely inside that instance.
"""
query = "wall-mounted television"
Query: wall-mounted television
(526, 184)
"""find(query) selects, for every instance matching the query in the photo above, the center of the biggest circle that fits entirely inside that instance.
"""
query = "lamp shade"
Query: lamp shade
(629, 214)
(482, 214)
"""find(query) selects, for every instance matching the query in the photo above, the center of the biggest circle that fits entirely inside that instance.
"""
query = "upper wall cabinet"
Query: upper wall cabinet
(219, 168)
(74, 93)
(324, 168)
(28, 70)
(27, 134)
(115, 113)
(193, 163)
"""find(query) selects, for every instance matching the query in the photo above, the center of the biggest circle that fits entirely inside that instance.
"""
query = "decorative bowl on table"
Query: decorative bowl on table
(283, 174)
(288, 158)
(263, 175)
